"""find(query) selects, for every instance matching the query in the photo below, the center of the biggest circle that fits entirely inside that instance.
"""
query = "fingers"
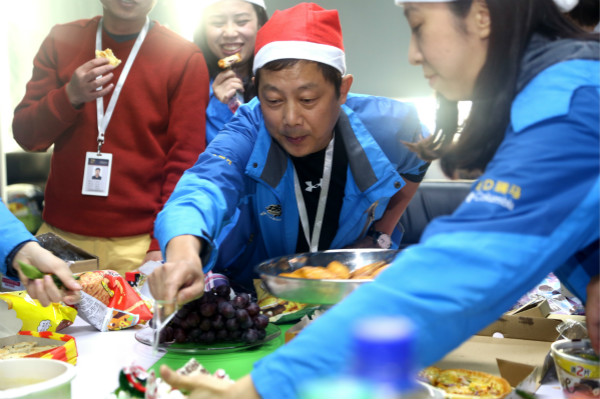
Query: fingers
(190, 293)
(225, 86)
(183, 280)
(177, 381)
(592, 312)
(44, 290)
(90, 81)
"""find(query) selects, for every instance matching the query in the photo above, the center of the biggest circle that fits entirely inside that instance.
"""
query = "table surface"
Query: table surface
(101, 355)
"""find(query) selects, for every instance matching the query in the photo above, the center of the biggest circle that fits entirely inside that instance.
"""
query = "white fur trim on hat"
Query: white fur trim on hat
(566, 5)
(260, 3)
(323, 53)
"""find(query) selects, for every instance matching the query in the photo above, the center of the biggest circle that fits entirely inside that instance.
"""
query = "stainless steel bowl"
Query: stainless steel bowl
(318, 292)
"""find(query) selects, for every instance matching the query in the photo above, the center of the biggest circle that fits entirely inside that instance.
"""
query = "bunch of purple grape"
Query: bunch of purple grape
(215, 317)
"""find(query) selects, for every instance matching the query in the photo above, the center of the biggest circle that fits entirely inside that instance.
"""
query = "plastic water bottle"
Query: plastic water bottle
(383, 365)
(384, 356)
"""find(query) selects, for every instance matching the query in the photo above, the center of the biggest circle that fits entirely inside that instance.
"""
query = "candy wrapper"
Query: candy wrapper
(135, 382)
(66, 351)
(36, 317)
(109, 303)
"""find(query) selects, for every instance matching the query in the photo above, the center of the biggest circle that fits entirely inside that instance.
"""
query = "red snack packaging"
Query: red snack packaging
(109, 303)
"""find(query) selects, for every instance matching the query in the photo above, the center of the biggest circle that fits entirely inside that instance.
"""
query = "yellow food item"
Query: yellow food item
(466, 384)
(229, 61)
(112, 59)
(22, 349)
(368, 270)
(336, 270)
(339, 269)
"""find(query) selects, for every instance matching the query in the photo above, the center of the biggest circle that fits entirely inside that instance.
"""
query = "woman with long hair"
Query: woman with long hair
(227, 28)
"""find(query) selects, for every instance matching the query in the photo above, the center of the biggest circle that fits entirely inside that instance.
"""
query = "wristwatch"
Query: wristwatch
(381, 239)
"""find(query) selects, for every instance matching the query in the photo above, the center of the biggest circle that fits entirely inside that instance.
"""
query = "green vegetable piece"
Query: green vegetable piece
(30, 271)
(33, 273)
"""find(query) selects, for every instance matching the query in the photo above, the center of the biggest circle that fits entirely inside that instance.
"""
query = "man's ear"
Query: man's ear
(482, 19)
(345, 87)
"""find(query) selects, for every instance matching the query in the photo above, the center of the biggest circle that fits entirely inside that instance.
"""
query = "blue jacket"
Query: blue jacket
(12, 233)
(217, 115)
(535, 210)
(244, 177)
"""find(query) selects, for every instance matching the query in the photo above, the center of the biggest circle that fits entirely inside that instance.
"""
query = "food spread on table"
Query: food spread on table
(466, 384)
(22, 349)
(217, 316)
(136, 382)
(337, 270)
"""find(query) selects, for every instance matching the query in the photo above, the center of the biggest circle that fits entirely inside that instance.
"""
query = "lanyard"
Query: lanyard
(313, 240)
(104, 118)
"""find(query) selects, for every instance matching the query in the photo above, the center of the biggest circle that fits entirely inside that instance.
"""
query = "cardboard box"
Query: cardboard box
(82, 260)
(65, 348)
(521, 356)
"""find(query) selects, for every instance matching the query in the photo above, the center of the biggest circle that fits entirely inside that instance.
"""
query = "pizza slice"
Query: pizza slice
(466, 384)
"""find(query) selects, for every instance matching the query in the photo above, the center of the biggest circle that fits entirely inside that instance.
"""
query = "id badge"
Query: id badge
(96, 174)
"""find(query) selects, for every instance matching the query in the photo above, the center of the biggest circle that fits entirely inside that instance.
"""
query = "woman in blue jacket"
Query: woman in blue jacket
(534, 133)
(17, 244)
(228, 27)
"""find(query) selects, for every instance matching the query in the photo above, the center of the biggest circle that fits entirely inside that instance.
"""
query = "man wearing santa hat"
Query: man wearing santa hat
(305, 167)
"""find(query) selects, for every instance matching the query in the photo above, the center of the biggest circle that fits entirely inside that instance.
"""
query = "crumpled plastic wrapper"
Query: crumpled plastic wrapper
(109, 303)
(572, 329)
(36, 317)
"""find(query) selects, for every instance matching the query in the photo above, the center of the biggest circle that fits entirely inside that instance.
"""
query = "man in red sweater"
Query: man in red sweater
(142, 122)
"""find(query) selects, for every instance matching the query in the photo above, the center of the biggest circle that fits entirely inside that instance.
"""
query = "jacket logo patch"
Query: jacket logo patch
(273, 212)
(495, 192)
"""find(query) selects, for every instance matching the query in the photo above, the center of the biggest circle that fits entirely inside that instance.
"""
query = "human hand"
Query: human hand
(44, 289)
(226, 84)
(208, 386)
(181, 277)
(86, 80)
(592, 312)
(152, 256)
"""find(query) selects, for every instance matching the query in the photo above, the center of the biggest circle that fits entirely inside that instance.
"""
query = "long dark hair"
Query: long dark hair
(212, 60)
(513, 23)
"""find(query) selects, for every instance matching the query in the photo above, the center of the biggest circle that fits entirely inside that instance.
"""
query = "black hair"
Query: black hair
(212, 60)
(330, 74)
(513, 23)
(586, 13)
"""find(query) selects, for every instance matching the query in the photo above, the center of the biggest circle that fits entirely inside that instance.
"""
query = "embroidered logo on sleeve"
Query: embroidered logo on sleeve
(495, 192)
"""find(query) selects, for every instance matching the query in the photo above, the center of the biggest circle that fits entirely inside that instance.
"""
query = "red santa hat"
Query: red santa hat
(306, 32)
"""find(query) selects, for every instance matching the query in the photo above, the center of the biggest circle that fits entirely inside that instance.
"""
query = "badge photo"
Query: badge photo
(96, 174)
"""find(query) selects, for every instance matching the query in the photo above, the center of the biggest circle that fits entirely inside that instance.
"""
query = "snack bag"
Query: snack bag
(109, 303)
(66, 351)
(36, 317)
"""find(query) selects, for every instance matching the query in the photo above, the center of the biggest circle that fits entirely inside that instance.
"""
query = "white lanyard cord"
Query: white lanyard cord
(104, 118)
(313, 240)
